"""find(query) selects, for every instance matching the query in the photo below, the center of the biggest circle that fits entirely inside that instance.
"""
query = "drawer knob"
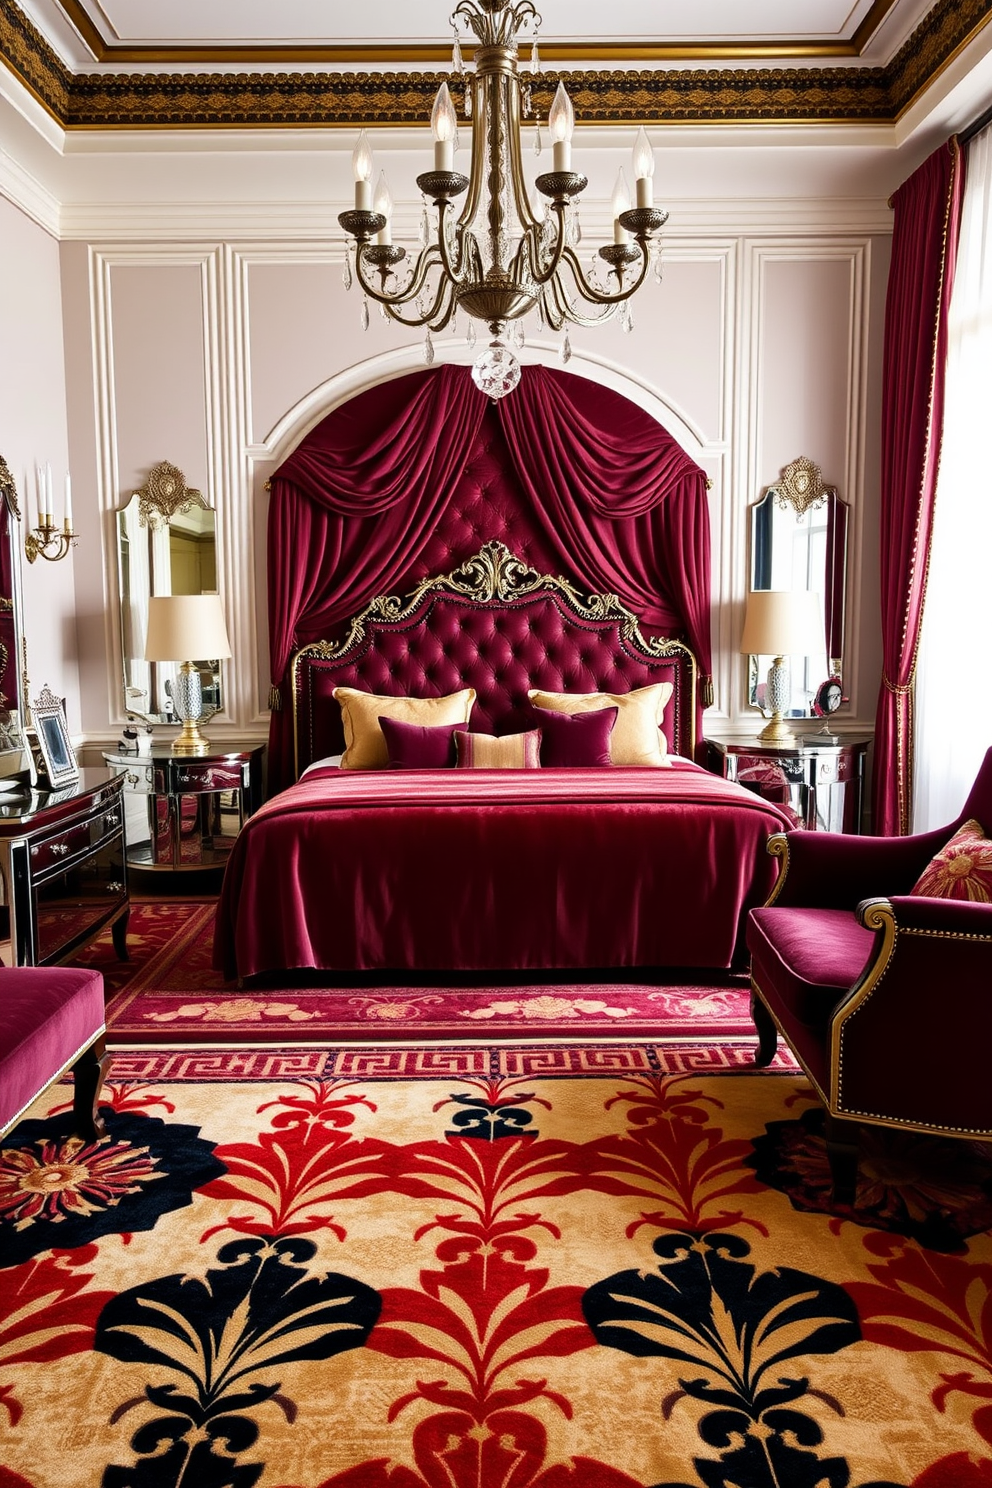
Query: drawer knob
(111, 819)
(115, 886)
(60, 849)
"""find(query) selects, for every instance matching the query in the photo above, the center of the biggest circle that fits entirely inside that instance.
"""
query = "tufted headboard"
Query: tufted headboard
(499, 626)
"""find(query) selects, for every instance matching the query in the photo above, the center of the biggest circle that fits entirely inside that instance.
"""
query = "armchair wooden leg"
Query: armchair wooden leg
(767, 1032)
(88, 1072)
(842, 1154)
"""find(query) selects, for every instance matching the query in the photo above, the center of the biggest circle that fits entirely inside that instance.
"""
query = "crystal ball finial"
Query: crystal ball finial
(496, 371)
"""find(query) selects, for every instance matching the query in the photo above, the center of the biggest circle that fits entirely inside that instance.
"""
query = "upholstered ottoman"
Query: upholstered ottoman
(51, 1018)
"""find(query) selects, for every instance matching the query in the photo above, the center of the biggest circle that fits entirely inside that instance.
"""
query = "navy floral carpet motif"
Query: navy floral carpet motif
(589, 1275)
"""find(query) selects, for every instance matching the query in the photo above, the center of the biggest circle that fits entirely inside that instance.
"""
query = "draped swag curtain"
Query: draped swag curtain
(617, 497)
(924, 243)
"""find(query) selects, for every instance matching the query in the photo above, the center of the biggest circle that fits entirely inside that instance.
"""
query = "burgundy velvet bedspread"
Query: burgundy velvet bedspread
(511, 870)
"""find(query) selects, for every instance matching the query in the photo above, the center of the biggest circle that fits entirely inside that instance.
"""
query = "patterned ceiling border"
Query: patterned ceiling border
(765, 95)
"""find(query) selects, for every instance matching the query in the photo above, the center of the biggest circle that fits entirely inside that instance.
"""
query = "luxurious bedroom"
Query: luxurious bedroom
(495, 744)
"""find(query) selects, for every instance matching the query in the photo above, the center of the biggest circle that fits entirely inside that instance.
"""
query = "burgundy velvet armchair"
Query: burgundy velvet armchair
(886, 1002)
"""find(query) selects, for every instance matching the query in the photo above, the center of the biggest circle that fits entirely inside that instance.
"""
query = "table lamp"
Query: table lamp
(181, 626)
(780, 623)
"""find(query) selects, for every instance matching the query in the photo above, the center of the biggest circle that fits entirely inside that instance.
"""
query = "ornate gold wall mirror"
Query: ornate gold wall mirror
(798, 540)
(15, 755)
(166, 544)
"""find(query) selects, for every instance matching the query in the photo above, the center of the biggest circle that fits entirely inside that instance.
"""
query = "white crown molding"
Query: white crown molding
(305, 222)
(27, 194)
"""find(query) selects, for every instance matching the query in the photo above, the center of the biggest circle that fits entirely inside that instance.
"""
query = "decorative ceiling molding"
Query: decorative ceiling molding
(692, 96)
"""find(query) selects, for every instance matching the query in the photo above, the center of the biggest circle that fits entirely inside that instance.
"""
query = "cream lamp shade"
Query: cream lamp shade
(783, 622)
(184, 628)
(779, 623)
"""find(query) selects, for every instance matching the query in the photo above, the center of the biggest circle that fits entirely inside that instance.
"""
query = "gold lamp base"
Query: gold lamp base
(777, 733)
(189, 740)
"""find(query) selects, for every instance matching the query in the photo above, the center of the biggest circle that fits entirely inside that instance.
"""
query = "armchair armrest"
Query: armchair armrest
(835, 870)
(909, 1045)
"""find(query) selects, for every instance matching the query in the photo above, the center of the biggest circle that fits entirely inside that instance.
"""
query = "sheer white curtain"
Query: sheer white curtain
(954, 671)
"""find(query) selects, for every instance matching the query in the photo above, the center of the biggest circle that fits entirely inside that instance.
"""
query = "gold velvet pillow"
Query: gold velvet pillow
(364, 742)
(637, 738)
(508, 752)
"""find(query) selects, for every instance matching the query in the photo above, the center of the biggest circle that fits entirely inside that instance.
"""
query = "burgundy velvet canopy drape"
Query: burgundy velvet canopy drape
(924, 246)
(616, 498)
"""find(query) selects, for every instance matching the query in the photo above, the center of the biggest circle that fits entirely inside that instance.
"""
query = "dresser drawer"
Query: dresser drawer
(55, 850)
(193, 776)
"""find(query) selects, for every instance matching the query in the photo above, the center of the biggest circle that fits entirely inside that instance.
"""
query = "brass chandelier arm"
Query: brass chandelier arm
(559, 310)
(598, 297)
(426, 260)
(542, 275)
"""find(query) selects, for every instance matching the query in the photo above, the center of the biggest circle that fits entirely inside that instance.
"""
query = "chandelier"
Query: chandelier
(504, 254)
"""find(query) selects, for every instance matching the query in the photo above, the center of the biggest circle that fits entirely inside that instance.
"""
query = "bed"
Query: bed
(503, 870)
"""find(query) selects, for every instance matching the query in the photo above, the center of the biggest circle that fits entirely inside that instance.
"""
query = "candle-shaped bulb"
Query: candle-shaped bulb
(561, 122)
(384, 206)
(444, 127)
(620, 202)
(362, 166)
(644, 169)
(49, 503)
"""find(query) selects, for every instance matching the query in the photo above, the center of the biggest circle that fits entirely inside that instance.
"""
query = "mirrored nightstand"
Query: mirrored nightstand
(183, 812)
(819, 780)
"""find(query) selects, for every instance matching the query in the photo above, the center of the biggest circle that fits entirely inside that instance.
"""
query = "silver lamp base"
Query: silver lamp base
(187, 697)
(776, 731)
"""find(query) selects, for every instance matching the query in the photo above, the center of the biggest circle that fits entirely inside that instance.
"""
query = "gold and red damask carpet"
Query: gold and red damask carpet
(491, 1264)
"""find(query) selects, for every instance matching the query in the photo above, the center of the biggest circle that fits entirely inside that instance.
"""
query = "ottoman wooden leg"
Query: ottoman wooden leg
(88, 1072)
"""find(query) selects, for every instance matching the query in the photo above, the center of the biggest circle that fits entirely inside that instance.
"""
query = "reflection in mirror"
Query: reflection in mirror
(15, 755)
(166, 544)
(798, 540)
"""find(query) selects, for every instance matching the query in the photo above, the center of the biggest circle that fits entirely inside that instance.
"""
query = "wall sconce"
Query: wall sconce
(48, 540)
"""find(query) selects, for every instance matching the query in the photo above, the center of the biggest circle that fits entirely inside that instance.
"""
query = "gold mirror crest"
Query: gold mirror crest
(801, 487)
(165, 493)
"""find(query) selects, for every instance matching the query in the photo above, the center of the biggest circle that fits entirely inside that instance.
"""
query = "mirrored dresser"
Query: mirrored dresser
(183, 812)
(63, 869)
(819, 780)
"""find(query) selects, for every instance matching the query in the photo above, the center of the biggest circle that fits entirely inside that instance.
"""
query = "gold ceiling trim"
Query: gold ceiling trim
(837, 95)
(103, 49)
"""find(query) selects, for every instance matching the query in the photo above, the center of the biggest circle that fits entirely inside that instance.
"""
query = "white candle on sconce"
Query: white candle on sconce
(49, 504)
(383, 204)
(68, 502)
(39, 491)
(362, 166)
(444, 127)
(620, 202)
(561, 123)
(643, 169)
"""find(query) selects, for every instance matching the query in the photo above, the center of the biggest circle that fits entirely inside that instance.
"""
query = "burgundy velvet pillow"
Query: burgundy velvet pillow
(575, 740)
(961, 870)
(416, 746)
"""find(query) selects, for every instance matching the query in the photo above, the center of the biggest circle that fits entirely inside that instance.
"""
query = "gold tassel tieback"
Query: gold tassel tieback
(275, 699)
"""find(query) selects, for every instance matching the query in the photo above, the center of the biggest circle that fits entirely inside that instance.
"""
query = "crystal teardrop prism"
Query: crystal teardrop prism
(496, 371)
(425, 226)
(429, 348)
(565, 350)
(457, 65)
(365, 314)
(537, 140)
(470, 335)
(626, 317)
(468, 101)
(525, 100)
(346, 278)
(535, 58)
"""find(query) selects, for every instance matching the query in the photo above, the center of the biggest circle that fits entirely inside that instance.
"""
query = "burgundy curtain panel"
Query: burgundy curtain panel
(924, 245)
(618, 499)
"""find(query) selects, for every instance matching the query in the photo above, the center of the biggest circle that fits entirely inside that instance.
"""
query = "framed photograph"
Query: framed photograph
(56, 757)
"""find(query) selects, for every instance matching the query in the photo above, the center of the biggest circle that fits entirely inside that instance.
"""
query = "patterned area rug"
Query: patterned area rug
(169, 994)
(611, 1280)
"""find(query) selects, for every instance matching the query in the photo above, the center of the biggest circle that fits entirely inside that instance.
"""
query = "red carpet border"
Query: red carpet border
(169, 995)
